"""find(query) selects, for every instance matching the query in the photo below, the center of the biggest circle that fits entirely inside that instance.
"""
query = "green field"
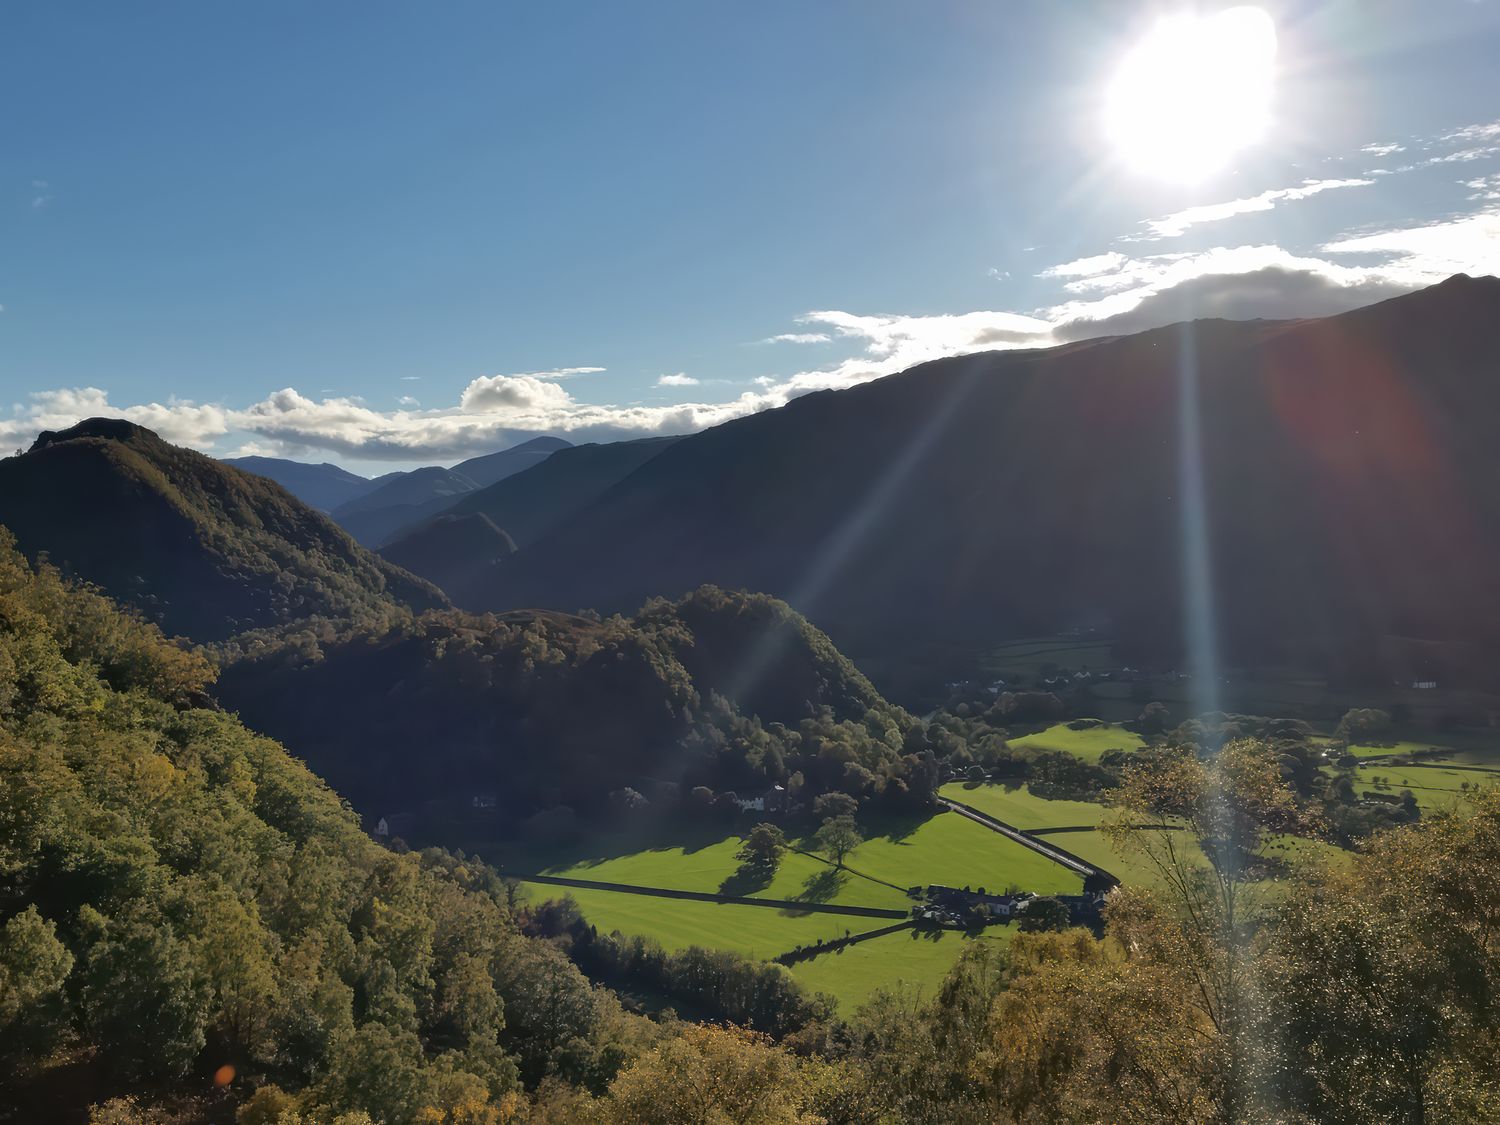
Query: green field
(917, 959)
(1364, 751)
(755, 931)
(1434, 787)
(1017, 806)
(1090, 744)
(954, 851)
(711, 868)
(946, 849)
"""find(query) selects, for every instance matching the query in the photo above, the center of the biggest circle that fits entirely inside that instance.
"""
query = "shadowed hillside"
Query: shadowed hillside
(450, 550)
(530, 504)
(200, 547)
(1347, 463)
(544, 709)
(400, 501)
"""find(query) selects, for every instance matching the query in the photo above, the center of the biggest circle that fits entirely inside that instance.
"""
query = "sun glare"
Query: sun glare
(1193, 92)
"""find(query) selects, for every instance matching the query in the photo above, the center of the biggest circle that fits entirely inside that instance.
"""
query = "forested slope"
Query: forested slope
(198, 546)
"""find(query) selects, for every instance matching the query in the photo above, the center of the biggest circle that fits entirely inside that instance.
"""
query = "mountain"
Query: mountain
(531, 503)
(401, 500)
(1350, 479)
(541, 709)
(491, 467)
(199, 546)
(323, 486)
(450, 550)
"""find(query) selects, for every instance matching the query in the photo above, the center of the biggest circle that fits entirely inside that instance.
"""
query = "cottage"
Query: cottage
(394, 825)
(772, 800)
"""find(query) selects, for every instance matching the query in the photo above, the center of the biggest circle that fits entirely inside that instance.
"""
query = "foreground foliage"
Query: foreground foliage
(177, 894)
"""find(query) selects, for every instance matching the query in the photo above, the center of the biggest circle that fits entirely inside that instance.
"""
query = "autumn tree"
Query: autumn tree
(837, 837)
(1200, 822)
(763, 848)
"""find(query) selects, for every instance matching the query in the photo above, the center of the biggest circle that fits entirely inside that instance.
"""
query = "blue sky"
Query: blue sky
(377, 232)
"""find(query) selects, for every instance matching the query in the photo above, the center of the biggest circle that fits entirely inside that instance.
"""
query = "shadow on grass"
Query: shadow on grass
(897, 826)
(747, 879)
(594, 848)
(823, 885)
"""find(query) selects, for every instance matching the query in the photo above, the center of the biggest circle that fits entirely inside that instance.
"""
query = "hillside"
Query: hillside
(1348, 468)
(531, 503)
(178, 894)
(200, 547)
(539, 709)
(323, 487)
(401, 500)
(450, 551)
(488, 468)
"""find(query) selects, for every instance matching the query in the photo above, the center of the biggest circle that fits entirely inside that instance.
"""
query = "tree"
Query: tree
(141, 1001)
(1201, 823)
(833, 804)
(1154, 718)
(763, 847)
(974, 775)
(838, 837)
(1043, 914)
(33, 968)
(1363, 724)
(720, 1075)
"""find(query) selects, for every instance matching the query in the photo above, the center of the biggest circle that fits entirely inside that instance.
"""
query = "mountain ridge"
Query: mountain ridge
(200, 547)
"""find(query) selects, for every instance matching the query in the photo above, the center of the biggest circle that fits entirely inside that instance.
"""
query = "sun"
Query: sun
(1192, 93)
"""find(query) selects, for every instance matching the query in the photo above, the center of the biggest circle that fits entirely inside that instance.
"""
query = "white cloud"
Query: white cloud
(798, 338)
(1087, 267)
(1423, 254)
(1465, 155)
(1484, 187)
(411, 378)
(1382, 150)
(557, 373)
(1485, 131)
(1170, 226)
(1105, 294)
(491, 393)
(408, 402)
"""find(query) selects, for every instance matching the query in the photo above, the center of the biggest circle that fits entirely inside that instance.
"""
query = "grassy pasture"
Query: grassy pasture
(755, 931)
(711, 868)
(1435, 787)
(919, 960)
(1403, 747)
(1090, 744)
(1018, 806)
(954, 851)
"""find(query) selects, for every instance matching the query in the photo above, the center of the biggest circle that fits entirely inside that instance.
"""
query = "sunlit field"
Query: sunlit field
(909, 959)
(712, 869)
(756, 931)
(1020, 808)
(1089, 744)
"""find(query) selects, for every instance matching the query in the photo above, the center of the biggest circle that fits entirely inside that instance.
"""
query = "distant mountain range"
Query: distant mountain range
(1349, 476)
(372, 510)
(200, 547)
(1348, 464)
(323, 487)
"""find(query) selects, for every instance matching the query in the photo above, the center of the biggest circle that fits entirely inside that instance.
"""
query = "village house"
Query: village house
(394, 825)
(772, 800)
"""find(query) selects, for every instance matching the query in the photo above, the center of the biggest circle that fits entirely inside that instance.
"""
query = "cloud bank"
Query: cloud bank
(1107, 293)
